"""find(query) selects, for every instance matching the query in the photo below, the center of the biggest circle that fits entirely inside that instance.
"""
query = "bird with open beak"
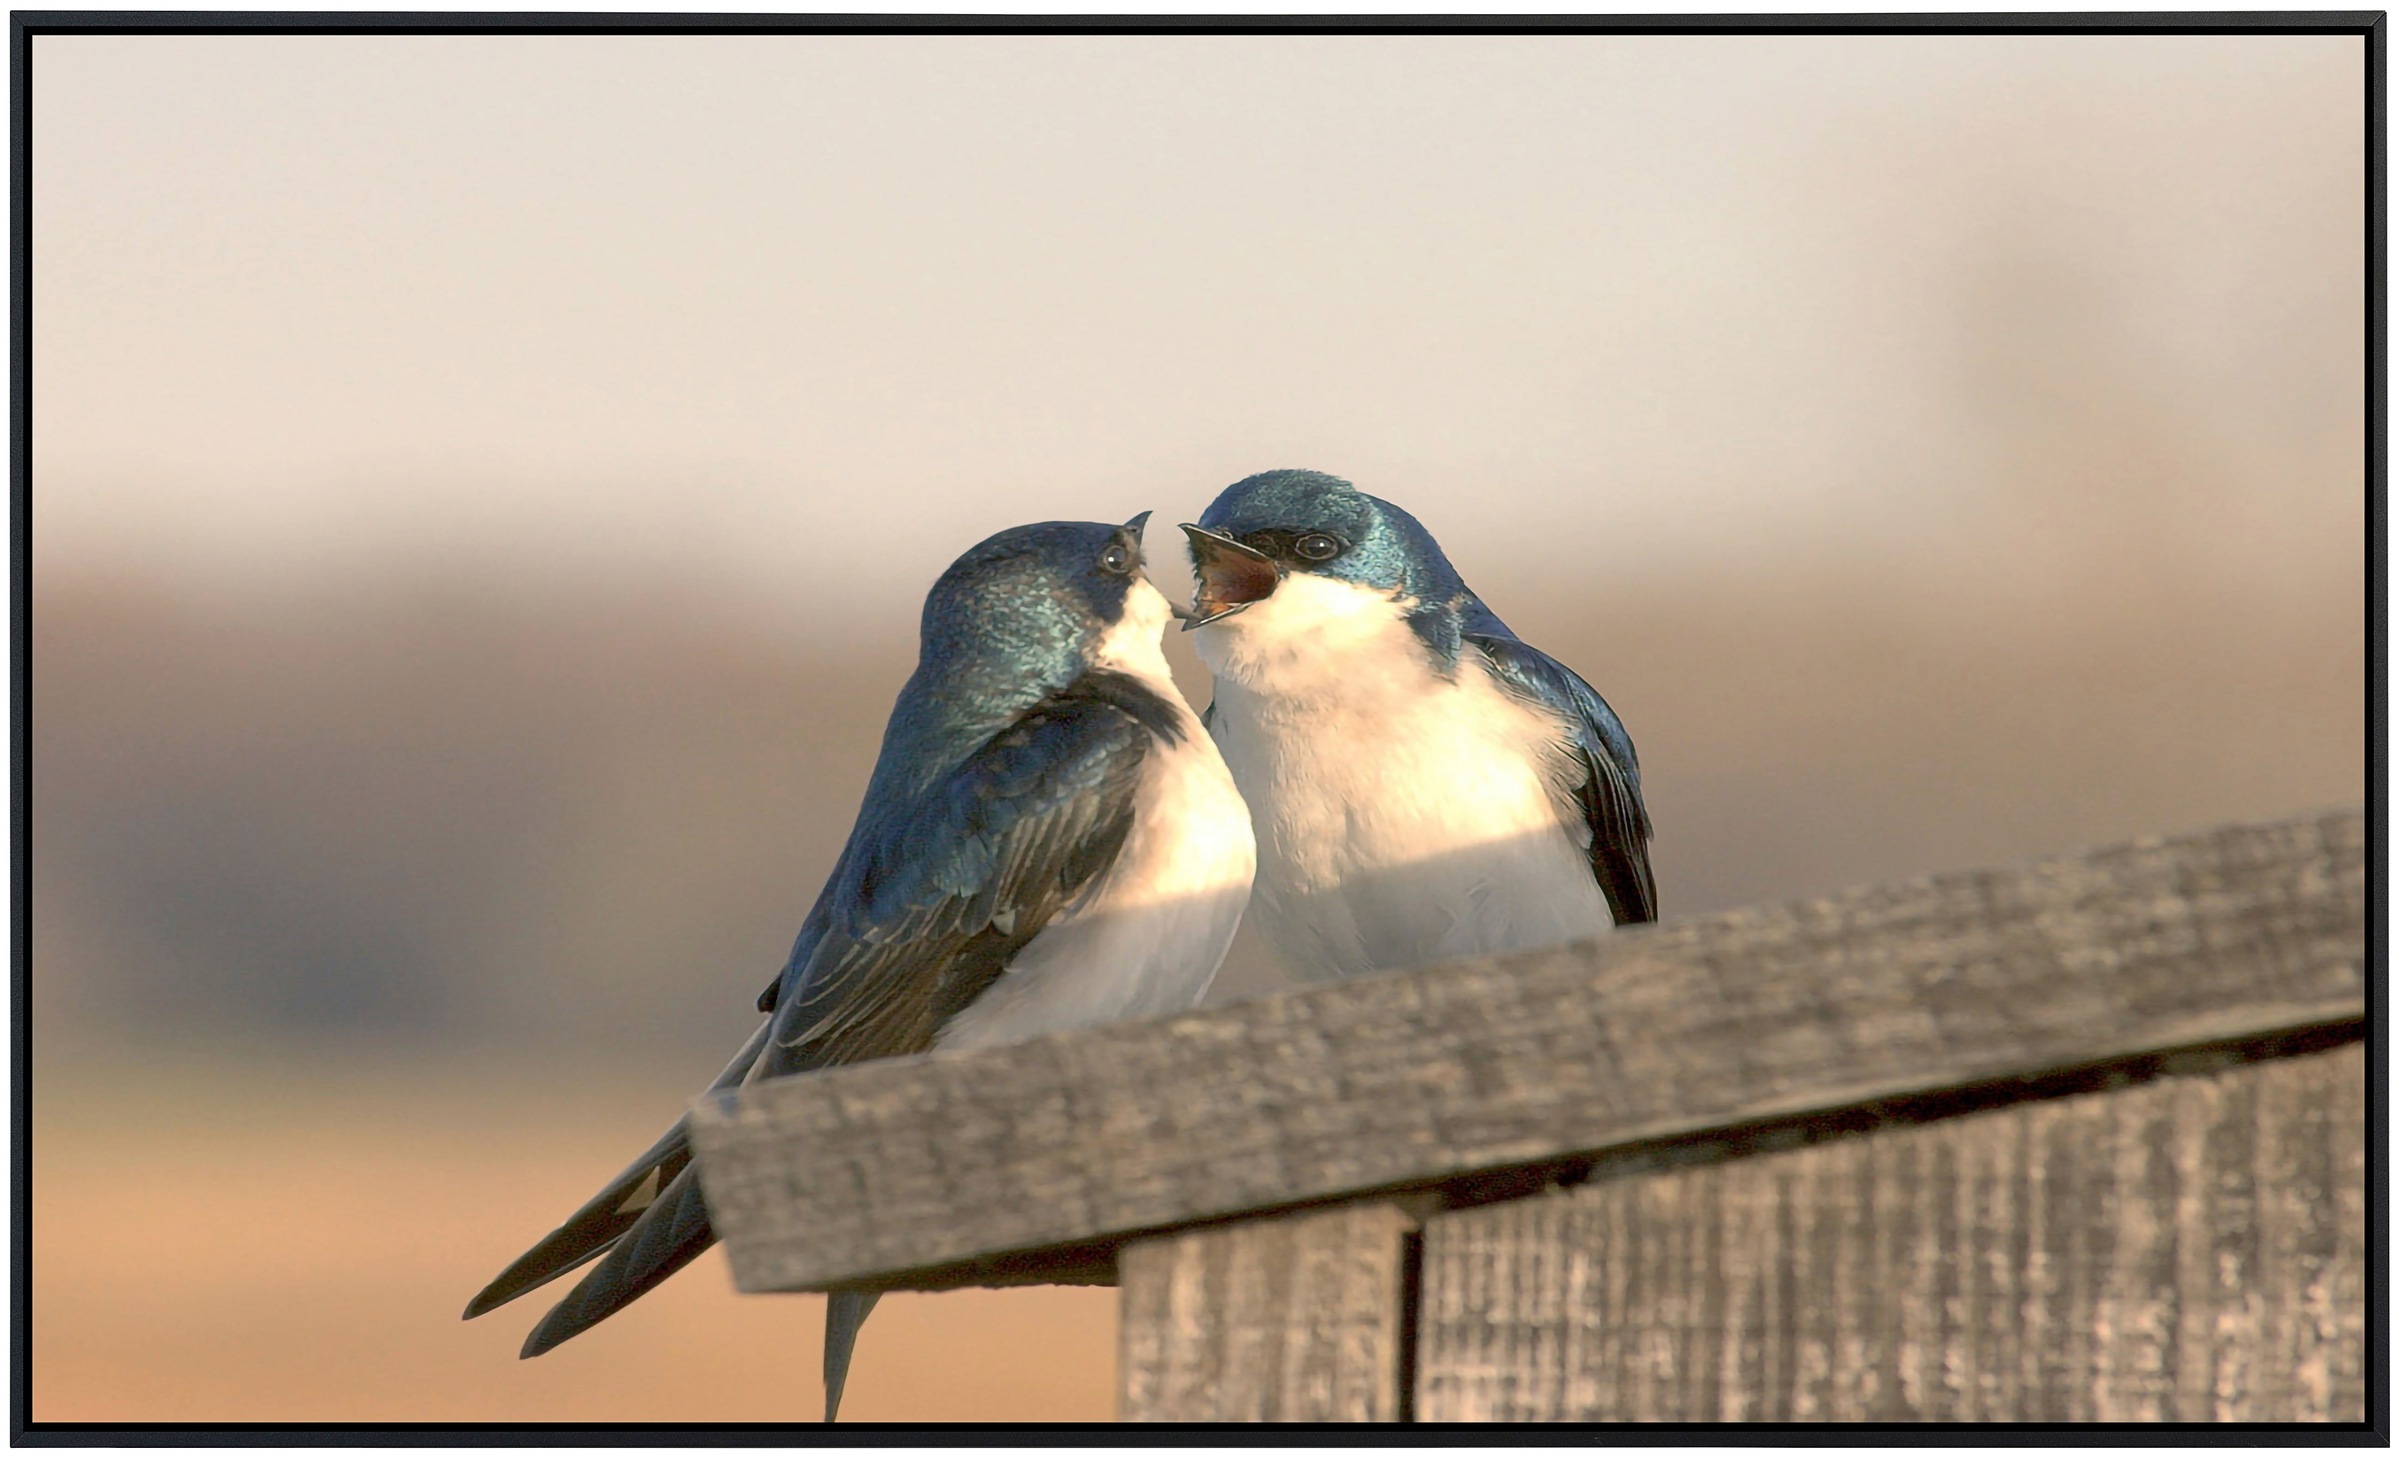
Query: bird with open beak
(1423, 783)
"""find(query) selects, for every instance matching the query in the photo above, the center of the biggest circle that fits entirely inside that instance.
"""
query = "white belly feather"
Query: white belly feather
(1402, 817)
(1150, 934)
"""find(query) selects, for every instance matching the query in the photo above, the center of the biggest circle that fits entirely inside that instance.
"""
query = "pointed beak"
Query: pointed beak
(1132, 532)
(1131, 535)
(1229, 575)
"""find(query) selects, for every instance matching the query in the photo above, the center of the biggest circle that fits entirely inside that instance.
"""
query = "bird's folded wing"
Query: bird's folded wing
(1610, 797)
(931, 900)
(620, 1204)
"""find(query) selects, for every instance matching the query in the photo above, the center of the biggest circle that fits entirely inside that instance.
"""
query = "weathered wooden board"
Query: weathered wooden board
(1298, 1318)
(922, 1171)
(2189, 1249)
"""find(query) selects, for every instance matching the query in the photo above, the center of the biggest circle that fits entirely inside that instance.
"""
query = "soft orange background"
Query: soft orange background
(484, 488)
(291, 1249)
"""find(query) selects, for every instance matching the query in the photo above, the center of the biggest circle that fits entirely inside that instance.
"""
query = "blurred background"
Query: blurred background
(483, 489)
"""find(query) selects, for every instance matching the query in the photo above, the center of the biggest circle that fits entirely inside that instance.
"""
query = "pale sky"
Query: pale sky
(811, 314)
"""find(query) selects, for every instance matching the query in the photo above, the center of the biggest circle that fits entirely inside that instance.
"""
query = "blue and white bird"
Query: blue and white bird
(1049, 839)
(1424, 784)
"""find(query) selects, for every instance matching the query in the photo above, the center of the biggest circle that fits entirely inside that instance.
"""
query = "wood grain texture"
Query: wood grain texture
(938, 1170)
(1291, 1319)
(2189, 1249)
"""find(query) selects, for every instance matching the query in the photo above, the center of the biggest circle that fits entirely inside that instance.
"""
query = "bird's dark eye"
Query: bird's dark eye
(1318, 547)
(1117, 559)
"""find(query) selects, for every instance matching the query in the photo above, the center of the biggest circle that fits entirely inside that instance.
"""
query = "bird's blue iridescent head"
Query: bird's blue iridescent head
(1266, 527)
(1031, 603)
(1020, 615)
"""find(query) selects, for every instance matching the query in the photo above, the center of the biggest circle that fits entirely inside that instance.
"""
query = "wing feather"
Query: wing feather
(620, 1204)
(1610, 795)
(945, 896)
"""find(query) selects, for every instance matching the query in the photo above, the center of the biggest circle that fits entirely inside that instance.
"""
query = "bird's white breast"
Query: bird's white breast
(1150, 934)
(1403, 816)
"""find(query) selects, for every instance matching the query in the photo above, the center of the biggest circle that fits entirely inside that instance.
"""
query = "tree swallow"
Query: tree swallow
(1424, 784)
(1049, 839)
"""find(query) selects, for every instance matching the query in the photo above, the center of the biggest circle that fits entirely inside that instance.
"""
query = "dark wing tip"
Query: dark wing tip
(567, 1319)
(588, 1233)
(1620, 852)
(1611, 795)
(1626, 879)
(561, 1251)
(669, 1235)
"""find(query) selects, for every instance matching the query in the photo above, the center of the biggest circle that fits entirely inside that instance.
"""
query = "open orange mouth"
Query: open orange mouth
(1229, 576)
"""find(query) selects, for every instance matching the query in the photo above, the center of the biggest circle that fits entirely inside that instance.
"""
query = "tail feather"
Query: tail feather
(845, 1313)
(606, 1218)
(667, 1236)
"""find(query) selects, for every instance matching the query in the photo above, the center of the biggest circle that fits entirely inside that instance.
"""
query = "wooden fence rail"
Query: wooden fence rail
(2082, 1139)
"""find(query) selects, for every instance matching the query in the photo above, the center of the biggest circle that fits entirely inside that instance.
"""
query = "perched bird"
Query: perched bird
(1049, 839)
(1424, 784)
